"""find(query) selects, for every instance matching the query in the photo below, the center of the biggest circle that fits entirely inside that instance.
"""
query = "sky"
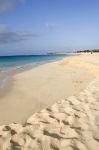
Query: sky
(41, 26)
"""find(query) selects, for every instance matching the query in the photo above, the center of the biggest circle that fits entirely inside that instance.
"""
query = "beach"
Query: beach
(32, 90)
(56, 103)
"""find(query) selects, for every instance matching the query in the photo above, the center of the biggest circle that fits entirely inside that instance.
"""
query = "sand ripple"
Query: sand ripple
(70, 124)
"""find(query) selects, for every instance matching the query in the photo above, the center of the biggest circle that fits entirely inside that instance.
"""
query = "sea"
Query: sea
(10, 65)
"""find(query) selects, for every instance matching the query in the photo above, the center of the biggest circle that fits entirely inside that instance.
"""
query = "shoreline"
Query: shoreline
(70, 123)
(9, 83)
(51, 81)
(20, 69)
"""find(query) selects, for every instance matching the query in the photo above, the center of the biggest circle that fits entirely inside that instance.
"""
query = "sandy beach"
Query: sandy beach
(65, 94)
(40, 87)
(49, 75)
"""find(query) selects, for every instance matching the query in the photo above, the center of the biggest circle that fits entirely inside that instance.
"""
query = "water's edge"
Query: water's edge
(6, 75)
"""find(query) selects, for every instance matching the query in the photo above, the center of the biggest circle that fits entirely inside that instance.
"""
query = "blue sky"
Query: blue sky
(40, 26)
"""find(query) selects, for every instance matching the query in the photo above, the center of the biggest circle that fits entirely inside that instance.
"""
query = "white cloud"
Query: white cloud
(7, 35)
(6, 5)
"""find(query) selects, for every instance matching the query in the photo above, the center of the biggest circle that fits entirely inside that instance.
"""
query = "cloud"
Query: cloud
(51, 25)
(7, 35)
(6, 5)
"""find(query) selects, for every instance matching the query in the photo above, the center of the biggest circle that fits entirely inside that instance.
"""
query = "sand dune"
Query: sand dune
(88, 62)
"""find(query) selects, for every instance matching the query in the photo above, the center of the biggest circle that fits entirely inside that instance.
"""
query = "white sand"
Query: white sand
(69, 124)
(40, 87)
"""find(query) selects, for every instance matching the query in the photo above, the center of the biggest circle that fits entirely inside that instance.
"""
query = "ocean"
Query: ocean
(10, 65)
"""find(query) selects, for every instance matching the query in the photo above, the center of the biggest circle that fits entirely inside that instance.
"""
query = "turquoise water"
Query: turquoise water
(13, 64)
(8, 63)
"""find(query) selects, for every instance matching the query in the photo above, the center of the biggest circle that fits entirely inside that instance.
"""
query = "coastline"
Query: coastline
(6, 76)
(70, 123)
(41, 87)
(4, 88)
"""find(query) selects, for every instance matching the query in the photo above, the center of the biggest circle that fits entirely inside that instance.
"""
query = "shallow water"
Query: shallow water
(12, 64)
